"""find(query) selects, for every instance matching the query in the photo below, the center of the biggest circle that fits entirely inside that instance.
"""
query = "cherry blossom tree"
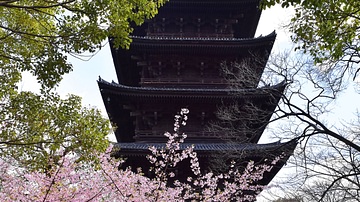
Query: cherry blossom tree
(72, 180)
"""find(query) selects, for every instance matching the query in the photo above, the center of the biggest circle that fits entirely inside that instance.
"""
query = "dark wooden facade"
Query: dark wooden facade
(174, 62)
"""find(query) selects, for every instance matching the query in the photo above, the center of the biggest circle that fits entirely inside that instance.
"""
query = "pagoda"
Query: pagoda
(174, 61)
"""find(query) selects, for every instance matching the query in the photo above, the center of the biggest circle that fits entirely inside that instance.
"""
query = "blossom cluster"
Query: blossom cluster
(70, 180)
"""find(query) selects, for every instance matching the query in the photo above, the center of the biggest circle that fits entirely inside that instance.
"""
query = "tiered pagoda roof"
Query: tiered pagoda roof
(200, 94)
(128, 63)
(211, 45)
(259, 153)
(174, 61)
(205, 149)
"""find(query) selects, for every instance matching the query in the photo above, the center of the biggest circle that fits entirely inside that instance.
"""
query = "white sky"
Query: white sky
(82, 81)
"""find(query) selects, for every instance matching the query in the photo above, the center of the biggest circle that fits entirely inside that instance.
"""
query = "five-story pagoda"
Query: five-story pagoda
(174, 62)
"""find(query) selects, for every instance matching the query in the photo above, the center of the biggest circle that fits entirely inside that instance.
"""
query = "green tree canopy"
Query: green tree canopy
(34, 128)
(329, 30)
(37, 35)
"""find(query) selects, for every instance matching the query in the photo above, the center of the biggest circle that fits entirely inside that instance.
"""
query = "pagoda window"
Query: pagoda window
(223, 28)
(155, 69)
(145, 73)
(139, 124)
(207, 30)
(189, 29)
(156, 27)
(168, 72)
(198, 24)
(181, 25)
(202, 118)
(172, 29)
(160, 71)
(191, 73)
(155, 118)
(201, 69)
(153, 28)
(146, 123)
(211, 72)
(163, 25)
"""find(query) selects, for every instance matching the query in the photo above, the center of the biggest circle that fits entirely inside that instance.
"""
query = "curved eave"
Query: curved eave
(259, 153)
(208, 149)
(202, 93)
(171, 45)
(128, 72)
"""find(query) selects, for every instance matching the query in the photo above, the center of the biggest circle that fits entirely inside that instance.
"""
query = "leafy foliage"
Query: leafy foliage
(328, 30)
(37, 35)
(35, 127)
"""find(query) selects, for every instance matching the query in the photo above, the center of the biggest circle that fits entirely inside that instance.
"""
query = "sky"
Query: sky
(82, 81)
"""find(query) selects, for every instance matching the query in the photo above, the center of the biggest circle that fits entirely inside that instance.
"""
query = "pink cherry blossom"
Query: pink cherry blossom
(73, 181)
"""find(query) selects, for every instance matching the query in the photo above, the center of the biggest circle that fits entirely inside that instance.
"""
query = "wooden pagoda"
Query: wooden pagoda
(174, 62)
